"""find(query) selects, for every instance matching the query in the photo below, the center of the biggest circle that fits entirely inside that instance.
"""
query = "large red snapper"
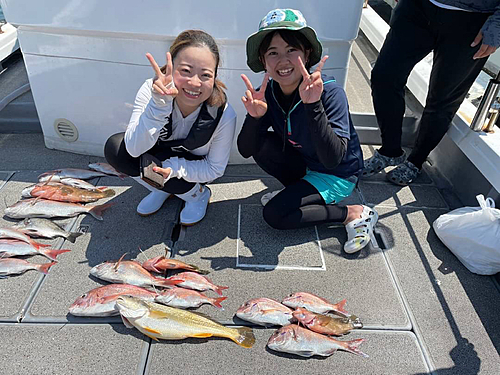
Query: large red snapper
(301, 341)
(130, 272)
(102, 301)
(314, 303)
(64, 193)
(265, 311)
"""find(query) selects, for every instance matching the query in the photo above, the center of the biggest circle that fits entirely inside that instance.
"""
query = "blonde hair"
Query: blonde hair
(199, 38)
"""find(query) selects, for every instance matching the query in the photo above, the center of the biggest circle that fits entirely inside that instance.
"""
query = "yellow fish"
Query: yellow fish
(168, 323)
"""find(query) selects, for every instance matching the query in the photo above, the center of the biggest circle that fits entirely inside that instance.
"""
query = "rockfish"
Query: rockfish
(15, 266)
(65, 193)
(36, 207)
(186, 298)
(13, 248)
(301, 341)
(265, 311)
(160, 264)
(102, 301)
(44, 228)
(315, 304)
(129, 272)
(168, 323)
(106, 168)
(83, 174)
(325, 324)
(195, 281)
(16, 234)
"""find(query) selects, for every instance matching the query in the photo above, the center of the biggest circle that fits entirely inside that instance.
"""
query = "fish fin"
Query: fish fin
(216, 302)
(152, 337)
(101, 188)
(352, 347)
(38, 245)
(73, 236)
(151, 330)
(97, 211)
(168, 282)
(201, 335)
(198, 270)
(339, 308)
(109, 193)
(219, 289)
(52, 254)
(119, 261)
(44, 268)
(126, 322)
(245, 337)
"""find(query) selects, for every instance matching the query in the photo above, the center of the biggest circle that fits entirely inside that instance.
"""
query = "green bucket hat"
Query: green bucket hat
(281, 19)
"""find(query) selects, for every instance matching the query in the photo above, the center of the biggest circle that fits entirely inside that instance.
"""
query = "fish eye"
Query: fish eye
(84, 295)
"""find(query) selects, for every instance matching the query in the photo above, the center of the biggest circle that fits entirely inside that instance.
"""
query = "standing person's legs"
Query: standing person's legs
(408, 41)
(453, 73)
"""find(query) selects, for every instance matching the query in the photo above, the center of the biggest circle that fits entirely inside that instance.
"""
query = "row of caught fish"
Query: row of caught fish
(15, 242)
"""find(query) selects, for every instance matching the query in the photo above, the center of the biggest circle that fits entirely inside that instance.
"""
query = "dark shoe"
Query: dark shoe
(404, 174)
(378, 162)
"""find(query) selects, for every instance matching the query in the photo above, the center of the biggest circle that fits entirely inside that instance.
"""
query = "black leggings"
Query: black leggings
(299, 205)
(117, 156)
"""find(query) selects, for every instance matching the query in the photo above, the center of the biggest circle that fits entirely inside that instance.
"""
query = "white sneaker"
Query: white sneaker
(152, 202)
(359, 231)
(196, 204)
(268, 196)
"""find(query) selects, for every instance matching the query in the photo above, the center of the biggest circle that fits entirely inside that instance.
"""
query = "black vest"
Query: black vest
(200, 133)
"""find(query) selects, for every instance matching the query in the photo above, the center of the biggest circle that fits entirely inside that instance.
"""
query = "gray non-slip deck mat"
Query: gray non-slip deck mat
(321, 268)
(121, 231)
(390, 353)
(456, 311)
(58, 349)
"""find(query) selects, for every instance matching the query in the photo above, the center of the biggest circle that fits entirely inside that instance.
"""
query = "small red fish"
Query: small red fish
(160, 264)
(314, 303)
(195, 281)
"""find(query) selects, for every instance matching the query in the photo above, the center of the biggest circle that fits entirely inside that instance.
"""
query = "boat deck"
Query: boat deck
(423, 311)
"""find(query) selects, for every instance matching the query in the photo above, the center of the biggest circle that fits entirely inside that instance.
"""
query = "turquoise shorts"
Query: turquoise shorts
(333, 189)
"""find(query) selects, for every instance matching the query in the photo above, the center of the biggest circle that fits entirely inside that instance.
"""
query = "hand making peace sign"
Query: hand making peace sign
(312, 85)
(255, 101)
(162, 81)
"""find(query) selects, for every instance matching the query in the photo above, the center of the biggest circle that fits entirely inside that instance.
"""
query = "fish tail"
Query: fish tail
(52, 254)
(216, 302)
(219, 289)
(101, 188)
(109, 193)
(97, 211)
(71, 237)
(352, 347)
(44, 268)
(245, 337)
(339, 308)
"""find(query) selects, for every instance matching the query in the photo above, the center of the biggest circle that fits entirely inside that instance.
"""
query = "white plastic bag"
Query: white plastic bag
(473, 235)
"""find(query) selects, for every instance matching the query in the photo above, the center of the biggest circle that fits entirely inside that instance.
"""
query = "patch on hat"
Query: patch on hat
(282, 15)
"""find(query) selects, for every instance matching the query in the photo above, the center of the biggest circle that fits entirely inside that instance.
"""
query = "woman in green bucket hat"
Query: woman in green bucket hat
(313, 149)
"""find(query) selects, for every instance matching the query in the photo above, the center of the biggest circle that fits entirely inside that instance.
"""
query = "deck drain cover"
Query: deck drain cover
(66, 130)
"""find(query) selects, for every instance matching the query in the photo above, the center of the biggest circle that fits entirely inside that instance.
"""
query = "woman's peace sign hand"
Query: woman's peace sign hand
(255, 101)
(161, 81)
(312, 85)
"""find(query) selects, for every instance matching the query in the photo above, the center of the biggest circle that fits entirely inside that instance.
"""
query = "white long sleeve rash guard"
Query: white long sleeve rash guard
(150, 114)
